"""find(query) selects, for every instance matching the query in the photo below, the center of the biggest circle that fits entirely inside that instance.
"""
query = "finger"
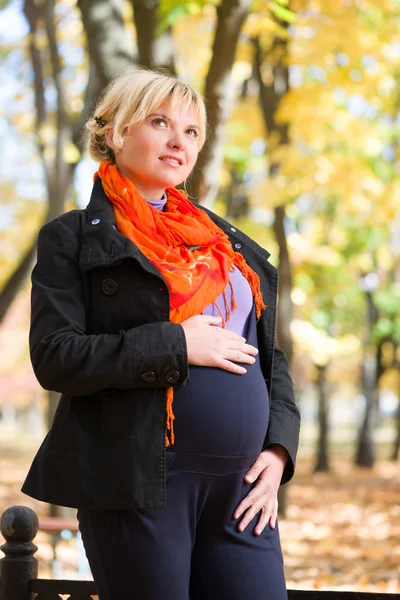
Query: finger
(265, 506)
(236, 345)
(243, 348)
(209, 320)
(230, 366)
(256, 470)
(274, 516)
(249, 516)
(238, 356)
(253, 497)
(264, 517)
(249, 349)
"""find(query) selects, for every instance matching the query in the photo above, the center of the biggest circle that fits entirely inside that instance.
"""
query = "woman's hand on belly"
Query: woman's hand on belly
(211, 346)
(266, 473)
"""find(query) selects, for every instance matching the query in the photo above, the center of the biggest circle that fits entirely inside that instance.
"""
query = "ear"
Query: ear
(109, 139)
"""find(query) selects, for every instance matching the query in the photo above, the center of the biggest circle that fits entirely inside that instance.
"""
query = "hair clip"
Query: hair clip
(99, 121)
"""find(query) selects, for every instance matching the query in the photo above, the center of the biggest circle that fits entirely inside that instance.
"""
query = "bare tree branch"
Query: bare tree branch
(58, 174)
(61, 173)
(91, 94)
(32, 13)
(17, 278)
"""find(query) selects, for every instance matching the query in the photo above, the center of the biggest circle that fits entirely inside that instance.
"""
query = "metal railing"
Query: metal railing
(19, 569)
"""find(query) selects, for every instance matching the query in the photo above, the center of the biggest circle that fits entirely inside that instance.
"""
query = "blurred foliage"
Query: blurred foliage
(339, 174)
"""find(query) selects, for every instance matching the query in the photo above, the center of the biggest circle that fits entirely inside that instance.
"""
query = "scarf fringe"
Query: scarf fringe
(254, 282)
(170, 435)
(234, 305)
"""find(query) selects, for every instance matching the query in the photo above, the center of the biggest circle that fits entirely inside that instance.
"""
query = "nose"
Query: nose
(176, 141)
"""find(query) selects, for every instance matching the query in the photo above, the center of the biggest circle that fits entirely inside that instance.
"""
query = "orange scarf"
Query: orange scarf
(193, 255)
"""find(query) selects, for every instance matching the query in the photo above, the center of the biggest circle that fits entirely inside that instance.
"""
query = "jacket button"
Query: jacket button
(109, 287)
(149, 376)
(172, 376)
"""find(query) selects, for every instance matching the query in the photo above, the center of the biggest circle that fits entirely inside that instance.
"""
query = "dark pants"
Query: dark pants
(191, 546)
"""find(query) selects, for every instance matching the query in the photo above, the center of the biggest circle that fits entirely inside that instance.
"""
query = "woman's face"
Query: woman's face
(161, 151)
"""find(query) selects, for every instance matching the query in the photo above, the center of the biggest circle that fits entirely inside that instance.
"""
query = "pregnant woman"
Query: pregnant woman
(155, 319)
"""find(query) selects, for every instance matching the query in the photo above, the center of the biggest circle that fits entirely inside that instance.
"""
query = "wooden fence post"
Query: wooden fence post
(19, 526)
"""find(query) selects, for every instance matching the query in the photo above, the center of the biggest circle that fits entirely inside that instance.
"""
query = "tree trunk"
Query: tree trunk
(271, 95)
(110, 46)
(16, 280)
(231, 15)
(155, 51)
(237, 203)
(396, 445)
(365, 452)
(322, 462)
(285, 305)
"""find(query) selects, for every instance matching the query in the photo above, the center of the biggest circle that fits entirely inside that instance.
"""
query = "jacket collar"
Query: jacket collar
(103, 245)
(236, 236)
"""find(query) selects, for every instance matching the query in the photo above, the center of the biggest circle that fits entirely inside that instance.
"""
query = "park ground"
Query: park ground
(342, 529)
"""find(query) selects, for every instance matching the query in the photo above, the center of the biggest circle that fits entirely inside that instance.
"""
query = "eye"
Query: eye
(193, 132)
(159, 121)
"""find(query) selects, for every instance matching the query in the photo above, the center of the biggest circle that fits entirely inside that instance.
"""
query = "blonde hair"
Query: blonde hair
(129, 98)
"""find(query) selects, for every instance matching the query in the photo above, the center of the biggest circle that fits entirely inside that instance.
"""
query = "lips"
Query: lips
(172, 160)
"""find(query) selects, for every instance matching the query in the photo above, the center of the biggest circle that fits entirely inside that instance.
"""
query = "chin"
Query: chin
(172, 182)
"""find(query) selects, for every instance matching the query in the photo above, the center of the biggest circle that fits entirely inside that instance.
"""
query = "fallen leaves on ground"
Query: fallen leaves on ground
(342, 529)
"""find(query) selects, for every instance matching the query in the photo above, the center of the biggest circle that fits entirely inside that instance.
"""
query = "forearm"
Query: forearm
(143, 357)
(284, 420)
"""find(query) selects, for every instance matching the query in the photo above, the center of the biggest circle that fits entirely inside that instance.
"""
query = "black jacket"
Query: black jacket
(101, 335)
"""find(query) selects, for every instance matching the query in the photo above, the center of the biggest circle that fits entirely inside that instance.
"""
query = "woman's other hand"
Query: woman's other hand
(267, 474)
(211, 346)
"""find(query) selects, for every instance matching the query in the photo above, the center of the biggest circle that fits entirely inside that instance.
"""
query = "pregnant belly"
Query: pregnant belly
(221, 413)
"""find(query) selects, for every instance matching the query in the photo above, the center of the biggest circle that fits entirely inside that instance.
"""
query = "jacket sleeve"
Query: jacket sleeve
(284, 420)
(65, 357)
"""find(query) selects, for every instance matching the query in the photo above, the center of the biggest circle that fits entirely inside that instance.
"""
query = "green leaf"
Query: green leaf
(320, 319)
(382, 330)
(172, 11)
(282, 13)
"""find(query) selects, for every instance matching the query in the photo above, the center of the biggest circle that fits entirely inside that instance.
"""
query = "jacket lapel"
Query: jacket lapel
(102, 244)
(236, 237)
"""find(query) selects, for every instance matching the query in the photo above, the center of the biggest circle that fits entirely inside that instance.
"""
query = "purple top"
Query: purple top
(243, 295)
